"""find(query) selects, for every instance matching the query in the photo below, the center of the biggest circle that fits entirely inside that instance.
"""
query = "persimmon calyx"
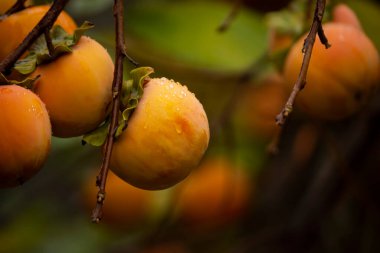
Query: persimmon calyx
(62, 44)
(131, 93)
(26, 83)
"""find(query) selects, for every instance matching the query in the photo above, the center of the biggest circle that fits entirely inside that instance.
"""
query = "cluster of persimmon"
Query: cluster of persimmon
(340, 81)
(166, 136)
(215, 195)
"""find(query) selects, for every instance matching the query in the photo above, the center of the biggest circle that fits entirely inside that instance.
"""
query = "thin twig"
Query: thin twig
(231, 16)
(49, 42)
(18, 6)
(316, 28)
(48, 19)
(116, 88)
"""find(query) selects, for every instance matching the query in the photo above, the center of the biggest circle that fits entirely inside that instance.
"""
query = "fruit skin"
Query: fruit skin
(166, 137)
(16, 27)
(259, 104)
(217, 193)
(341, 79)
(345, 15)
(26, 135)
(77, 88)
(125, 206)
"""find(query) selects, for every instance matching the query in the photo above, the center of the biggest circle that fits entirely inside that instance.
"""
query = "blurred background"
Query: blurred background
(312, 187)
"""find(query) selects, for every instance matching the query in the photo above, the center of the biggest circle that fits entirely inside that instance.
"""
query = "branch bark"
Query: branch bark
(116, 88)
(18, 6)
(47, 21)
(316, 28)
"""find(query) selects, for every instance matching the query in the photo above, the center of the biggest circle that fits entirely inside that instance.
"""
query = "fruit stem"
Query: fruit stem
(316, 28)
(49, 42)
(47, 21)
(118, 11)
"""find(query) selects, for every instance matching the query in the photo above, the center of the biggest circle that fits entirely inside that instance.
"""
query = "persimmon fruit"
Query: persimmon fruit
(25, 135)
(166, 137)
(15, 28)
(76, 88)
(126, 207)
(259, 104)
(341, 79)
(217, 193)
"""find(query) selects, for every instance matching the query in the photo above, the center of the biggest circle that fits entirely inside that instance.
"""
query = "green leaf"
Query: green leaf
(131, 93)
(27, 65)
(184, 33)
(133, 89)
(78, 33)
(26, 83)
(39, 52)
(121, 127)
(97, 137)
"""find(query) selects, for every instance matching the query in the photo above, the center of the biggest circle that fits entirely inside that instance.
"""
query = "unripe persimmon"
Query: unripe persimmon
(15, 28)
(166, 137)
(25, 135)
(125, 206)
(217, 193)
(341, 79)
(76, 88)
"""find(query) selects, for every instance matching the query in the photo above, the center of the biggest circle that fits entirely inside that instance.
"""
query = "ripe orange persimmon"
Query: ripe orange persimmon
(217, 193)
(125, 206)
(16, 27)
(259, 104)
(25, 135)
(76, 88)
(166, 137)
(341, 79)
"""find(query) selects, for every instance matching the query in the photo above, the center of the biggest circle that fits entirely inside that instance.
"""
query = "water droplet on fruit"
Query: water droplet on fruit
(178, 130)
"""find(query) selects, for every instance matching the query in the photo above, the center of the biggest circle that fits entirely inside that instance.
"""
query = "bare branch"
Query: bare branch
(116, 88)
(316, 28)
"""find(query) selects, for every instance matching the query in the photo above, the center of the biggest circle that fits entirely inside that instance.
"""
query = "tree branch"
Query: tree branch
(18, 6)
(116, 88)
(46, 22)
(316, 28)
(49, 42)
